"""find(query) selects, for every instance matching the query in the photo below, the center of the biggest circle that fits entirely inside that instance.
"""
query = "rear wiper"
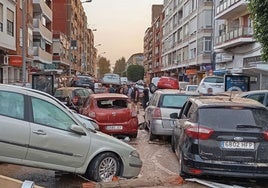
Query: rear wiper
(249, 126)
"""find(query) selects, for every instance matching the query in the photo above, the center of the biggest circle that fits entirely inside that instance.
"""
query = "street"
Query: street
(160, 169)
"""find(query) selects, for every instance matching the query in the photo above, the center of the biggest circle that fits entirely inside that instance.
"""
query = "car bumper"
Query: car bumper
(132, 167)
(160, 127)
(130, 127)
(224, 168)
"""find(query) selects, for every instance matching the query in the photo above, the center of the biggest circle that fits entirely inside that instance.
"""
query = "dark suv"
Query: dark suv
(222, 136)
(83, 81)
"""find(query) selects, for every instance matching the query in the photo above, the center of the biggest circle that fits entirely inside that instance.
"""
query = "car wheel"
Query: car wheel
(151, 135)
(173, 143)
(182, 173)
(134, 135)
(103, 168)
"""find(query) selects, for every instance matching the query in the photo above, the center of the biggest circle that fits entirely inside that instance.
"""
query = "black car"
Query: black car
(222, 136)
(83, 81)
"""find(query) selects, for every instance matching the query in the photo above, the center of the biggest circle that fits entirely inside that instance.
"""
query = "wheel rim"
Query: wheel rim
(108, 169)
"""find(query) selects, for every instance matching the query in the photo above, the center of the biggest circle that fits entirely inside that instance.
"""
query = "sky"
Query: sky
(120, 26)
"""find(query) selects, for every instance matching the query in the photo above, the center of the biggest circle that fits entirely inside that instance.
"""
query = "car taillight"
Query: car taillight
(157, 113)
(199, 132)
(265, 135)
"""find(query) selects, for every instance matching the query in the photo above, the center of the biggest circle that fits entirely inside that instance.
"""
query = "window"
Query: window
(1, 17)
(12, 104)
(10, 22)
(207, 44)
(50, 115)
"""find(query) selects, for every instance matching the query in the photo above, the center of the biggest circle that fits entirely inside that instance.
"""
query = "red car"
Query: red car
(112, 113)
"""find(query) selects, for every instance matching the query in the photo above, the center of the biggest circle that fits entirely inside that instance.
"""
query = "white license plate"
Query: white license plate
(237, 145)
(114, 127)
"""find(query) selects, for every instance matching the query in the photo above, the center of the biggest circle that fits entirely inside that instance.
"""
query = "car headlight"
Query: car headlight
(134, 153)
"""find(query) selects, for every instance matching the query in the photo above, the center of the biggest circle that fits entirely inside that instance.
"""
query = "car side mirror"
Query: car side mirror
(78, 129)
(174, 115)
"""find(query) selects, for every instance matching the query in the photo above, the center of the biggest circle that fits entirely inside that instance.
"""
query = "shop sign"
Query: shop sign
(190, 71)
(15, 61)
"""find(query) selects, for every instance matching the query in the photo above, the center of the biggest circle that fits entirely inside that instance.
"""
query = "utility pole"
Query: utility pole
(24, 12)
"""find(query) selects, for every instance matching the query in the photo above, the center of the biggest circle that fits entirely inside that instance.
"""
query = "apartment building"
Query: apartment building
(187, 39)
(148, 54)
(78, 55)
(236, 50)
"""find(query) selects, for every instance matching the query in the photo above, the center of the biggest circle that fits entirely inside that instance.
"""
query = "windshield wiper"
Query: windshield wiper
(249, 126)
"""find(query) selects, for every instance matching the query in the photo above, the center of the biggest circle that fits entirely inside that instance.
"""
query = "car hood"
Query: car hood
(99, 138)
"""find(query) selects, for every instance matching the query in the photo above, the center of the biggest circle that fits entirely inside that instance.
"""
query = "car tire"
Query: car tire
(182, 173)
(134, 135)
(103, 167)
(172, 143)
(151, 135)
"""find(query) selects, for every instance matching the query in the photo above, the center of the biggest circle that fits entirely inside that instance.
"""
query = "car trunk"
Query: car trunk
(115, 111)
(236, 137)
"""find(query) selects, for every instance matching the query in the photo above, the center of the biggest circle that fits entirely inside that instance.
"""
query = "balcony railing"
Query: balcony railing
(43, 8)
(239, 33)
(44, 32)
(41, 55)
(227, 8)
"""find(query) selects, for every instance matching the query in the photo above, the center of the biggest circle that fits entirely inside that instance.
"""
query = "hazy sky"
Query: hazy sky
(120, 24)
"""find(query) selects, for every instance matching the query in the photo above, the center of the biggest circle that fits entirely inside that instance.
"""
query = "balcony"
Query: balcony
(230, 9)
(241, 35)
(41, 7)
(44, 32)
(41, 55)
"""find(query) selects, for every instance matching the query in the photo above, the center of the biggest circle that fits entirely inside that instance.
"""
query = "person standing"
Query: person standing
(145, 96)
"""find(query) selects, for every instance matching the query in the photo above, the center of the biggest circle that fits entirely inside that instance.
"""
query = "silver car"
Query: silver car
(157, 114)
(38, 130)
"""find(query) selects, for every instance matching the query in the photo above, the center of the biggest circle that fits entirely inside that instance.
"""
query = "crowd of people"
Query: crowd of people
(137, 98)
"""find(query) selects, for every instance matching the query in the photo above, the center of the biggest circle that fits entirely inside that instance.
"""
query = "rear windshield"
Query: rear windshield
(231, 117)
(173, 101)
(214, 80)
(112, 103)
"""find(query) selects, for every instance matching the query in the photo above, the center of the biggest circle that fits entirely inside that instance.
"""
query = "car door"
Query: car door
(14, 129)
(52, 143)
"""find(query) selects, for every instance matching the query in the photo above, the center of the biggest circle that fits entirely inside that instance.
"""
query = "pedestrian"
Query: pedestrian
(209, 92)
(145, 96)
(134, 96)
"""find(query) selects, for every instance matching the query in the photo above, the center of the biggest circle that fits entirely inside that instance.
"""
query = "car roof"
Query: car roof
(220, 101)
(108, 95)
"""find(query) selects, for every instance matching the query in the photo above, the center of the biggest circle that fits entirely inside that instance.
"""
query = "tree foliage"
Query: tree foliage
(135, 72)
(120, 66)
(104, 66)
(259, 14)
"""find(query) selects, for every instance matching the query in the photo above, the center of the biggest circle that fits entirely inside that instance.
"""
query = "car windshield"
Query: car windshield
(174, 101)
(227, 117)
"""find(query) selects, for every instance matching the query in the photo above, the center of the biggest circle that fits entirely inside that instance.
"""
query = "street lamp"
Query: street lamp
(97, 45)
(87, 1)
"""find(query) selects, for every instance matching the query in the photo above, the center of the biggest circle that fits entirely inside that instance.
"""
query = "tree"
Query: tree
(259, 14)
(135, 73)
(104, 66)
(120, 66)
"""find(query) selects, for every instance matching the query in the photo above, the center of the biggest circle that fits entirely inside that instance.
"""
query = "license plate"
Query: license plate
(114, 127)
(237, 145)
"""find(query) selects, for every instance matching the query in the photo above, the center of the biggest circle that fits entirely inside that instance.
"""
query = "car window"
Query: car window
(227, 117)
(12, 104)
(111, 103)
(214, 80)
(174, 101)
(258, 97)
(50, 115)
(79, 92)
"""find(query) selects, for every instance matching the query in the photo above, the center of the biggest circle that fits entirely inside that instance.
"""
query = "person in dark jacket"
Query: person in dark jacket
(145, 96)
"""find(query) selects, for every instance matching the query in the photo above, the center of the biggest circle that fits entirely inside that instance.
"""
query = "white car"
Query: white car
(38, 130)
(214, 82)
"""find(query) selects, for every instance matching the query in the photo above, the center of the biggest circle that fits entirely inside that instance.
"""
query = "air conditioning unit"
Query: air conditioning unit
(5, 60)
